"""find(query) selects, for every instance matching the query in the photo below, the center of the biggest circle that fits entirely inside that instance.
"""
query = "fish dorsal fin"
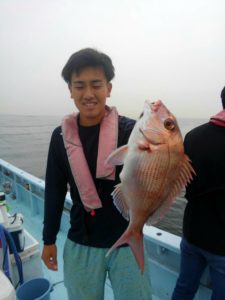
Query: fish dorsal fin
(117, 157)
(119, 201)
(176, 186)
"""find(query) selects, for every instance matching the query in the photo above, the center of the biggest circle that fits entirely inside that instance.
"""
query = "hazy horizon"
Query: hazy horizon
(169, 50)
(130, 115)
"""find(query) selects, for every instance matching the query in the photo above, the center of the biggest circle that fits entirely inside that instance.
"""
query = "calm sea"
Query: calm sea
(24, 143)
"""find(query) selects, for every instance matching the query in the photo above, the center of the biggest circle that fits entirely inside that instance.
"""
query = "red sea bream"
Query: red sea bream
(155, 171)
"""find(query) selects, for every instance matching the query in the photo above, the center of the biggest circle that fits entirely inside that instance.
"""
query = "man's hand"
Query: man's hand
(49, 257)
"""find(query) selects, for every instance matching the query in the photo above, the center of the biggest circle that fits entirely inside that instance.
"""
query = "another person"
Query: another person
(77, 154)
(203, 242)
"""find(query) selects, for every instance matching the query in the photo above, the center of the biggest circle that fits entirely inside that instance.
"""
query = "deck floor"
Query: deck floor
(34, 226)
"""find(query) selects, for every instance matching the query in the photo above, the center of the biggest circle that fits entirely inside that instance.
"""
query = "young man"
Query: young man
(77, 154)
(203, 242)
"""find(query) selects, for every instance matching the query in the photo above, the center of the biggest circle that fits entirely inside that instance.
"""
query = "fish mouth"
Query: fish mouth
(148, 139)
(155, 105)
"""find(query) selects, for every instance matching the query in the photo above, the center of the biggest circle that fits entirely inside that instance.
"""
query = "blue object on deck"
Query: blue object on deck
(35, 289)
(5, 237)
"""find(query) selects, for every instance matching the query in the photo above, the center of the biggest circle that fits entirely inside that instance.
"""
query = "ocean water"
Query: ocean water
(24, 142)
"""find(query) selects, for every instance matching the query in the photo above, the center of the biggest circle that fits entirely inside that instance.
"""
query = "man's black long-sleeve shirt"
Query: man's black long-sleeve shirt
(204, 217)
(107, 225)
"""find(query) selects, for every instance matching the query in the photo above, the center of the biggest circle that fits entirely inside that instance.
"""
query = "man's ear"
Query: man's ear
(109, 87)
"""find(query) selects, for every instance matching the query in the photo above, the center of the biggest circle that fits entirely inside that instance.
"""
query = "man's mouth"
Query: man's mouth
(90, 104)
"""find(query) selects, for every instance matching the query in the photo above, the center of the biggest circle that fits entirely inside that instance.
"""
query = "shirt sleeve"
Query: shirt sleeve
(55, 189)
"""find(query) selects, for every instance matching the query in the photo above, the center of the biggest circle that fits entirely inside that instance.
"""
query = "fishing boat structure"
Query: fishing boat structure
(25, 198)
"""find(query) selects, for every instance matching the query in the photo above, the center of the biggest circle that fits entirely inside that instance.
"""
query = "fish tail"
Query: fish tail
(135, 241)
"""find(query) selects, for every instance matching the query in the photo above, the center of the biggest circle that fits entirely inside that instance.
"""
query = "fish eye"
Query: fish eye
(169, 124)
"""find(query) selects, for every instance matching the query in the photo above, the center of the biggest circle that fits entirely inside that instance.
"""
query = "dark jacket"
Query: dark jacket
(107, 225)
(204, 217)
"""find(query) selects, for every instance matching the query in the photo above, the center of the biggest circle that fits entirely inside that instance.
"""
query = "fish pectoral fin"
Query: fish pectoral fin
(119, 201)
(117, 157)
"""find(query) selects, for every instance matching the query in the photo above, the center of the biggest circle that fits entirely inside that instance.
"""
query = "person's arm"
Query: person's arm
(55, 192)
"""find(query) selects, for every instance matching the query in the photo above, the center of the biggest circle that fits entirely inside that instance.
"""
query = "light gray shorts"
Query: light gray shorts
(86, 268)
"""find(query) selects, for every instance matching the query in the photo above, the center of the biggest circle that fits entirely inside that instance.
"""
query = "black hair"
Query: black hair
(223, 97)
(88, 57)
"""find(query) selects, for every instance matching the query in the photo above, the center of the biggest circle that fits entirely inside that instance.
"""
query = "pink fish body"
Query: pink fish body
(155, 171)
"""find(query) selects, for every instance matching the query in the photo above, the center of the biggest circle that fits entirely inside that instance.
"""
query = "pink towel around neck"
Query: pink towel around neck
(108, 137)
(219, 119)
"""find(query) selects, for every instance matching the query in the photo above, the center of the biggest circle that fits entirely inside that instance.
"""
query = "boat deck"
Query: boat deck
(34, 227)
(163, 255)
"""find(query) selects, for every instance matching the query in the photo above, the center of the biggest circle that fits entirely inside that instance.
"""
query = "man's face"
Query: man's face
(89, 90)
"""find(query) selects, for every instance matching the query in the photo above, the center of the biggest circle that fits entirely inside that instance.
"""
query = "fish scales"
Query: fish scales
(149, 177)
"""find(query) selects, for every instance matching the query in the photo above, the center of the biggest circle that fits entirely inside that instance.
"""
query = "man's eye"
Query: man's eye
(97, 85)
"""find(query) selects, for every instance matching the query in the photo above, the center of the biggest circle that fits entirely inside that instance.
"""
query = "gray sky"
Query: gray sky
(173, 50)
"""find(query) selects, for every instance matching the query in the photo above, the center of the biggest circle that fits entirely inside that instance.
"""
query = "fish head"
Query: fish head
(158, 125)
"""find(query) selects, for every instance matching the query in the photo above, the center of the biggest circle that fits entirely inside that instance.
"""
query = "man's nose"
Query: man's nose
(88, 92)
